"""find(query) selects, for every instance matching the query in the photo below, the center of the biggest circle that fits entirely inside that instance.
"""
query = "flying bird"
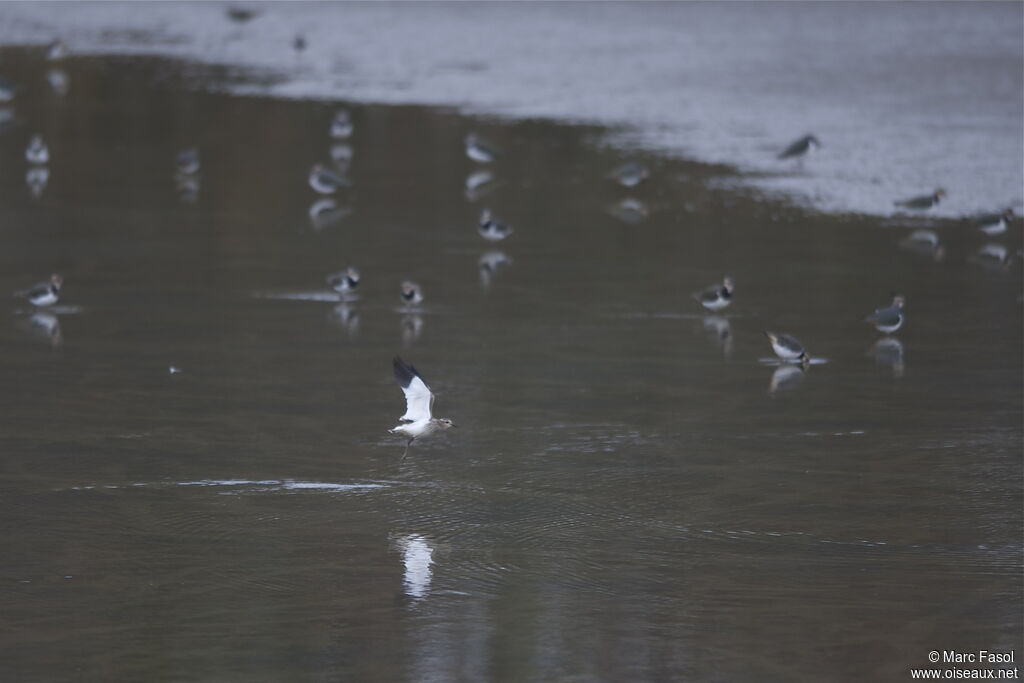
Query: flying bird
(417, 420)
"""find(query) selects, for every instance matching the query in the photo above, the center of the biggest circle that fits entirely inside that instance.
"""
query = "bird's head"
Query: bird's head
(728, 283)
(898, 301)
(353, 274)
(1009, 215)
(445, 423)
(940, 193)
(57, 280)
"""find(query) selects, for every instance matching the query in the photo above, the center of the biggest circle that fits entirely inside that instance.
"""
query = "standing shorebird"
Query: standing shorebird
(326, 181)
(417, 420)
(479, 150)
(43, 294)
(341, 125)
(801, 149)
(923, 203)
(716, 297)
(492, 229)
(187, 161)
(890, 318)
(630, 174)
(37, 152)
(411, 293)
(344, 282)
(996, 223)
(788, 348)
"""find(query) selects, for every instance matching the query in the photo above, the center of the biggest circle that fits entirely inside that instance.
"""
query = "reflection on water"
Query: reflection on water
(411, 325)
(787, 377)
(325, 213)
(623, 499)
(417, 558)
(345, 316)
(489, 264)
(43, 326)
(889, 351)
(720, 331)
(36, 178)
(630, 211)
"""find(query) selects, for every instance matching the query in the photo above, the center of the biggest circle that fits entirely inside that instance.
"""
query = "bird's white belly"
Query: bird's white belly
(785, 353)
(412, 429)
(47, 299)
(715, 304)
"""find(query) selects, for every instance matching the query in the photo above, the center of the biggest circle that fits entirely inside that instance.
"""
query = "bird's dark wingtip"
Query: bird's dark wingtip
(404, 372)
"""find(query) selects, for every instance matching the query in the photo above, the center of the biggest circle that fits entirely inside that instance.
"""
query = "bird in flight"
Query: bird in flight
(417, 420)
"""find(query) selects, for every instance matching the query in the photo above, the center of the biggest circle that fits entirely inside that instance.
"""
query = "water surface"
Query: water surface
(631, 493)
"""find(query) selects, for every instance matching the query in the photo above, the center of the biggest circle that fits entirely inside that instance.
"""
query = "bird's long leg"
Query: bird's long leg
(406, 452)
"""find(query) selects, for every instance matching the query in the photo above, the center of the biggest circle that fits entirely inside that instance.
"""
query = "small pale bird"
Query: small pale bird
(479, 150)
(187, 161)
(341, 125)
(56, 50)
(630, 174)
(716, 297)
(890, 318)
(788, 348)
(43, 294)
(801, 149)
(995, 224)
(922, 203)
(417, 420)
(411, 293)
(492, 229)
(326, 181)
(37, 152)
(344, 282)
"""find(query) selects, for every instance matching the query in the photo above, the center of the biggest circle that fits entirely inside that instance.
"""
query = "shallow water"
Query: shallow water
(630, 494)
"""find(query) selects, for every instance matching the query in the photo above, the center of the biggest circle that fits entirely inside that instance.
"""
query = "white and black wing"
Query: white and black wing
(418, 398)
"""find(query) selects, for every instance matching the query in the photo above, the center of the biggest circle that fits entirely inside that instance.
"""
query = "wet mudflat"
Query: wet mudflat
(631, 493)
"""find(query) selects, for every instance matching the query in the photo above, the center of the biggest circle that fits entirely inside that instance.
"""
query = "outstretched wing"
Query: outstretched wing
(418, 398)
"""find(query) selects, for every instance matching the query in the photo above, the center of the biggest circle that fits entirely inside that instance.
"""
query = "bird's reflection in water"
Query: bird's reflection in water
(992, 256)
(412, 328)
(417, 558)
(345, 316)
(341, 155)
(889, 351)
(489, 263)
(925, 243)
(36, 179)
(58, 81)
(6, 118)
(787, 376)
(43, 326)
(479, 184)
(187, 187)
(630, 211)
(323, 213)
(719, 329)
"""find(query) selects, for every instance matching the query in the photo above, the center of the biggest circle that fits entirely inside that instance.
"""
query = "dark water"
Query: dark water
(631, 494)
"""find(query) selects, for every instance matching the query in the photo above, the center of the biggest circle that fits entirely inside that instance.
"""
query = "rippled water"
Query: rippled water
(631, 493)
